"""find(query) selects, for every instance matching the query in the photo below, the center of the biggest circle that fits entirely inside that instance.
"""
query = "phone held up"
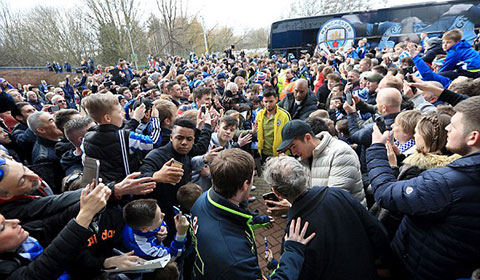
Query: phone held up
(270, 196)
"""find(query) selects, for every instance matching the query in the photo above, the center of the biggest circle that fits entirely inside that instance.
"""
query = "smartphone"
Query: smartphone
(54, 108)
(409, 79)
(176, 210)
(349, 81)
(270, 196)
(176, 163)
(349, 98)
(91, 170)
(266, 247)
(204, 109)
(380, 121)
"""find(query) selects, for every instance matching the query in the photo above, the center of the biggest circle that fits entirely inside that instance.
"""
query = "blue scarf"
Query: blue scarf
(30, 249)
(407, 145)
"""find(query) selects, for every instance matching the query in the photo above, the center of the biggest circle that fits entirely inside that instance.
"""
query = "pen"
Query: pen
(118, 252)
(266, 247)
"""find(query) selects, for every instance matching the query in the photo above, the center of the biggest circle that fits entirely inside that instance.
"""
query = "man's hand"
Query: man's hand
(378, 137)
(348, 87)
(46, 108)
(181, 224)
(269, 256)
(297, 233)
(168, 174)
(131, 185)
(245, 139)
(280, 207)
(139, 112)
(92, 200)
(155, 113)
(254, 128)
(407, 90)
(142, 95)
(162, 233)
(200, 119)
(212, 154)
(350, 109)
(427, 87)
(124, 261)
(392, 157)
(205, 171)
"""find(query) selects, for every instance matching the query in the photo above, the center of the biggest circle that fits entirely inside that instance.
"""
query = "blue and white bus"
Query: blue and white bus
(382, 27)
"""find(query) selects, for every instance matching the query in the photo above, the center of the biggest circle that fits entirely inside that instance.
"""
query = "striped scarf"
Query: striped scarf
(407, 145)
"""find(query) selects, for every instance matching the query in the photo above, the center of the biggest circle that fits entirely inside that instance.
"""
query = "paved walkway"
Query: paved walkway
(275, 234)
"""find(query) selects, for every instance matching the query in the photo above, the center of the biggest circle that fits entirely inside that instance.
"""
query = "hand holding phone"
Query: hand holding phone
(380, 121)
(349, 98)
(270, 196)
(176, 163)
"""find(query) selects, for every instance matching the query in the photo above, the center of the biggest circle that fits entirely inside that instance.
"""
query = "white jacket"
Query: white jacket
(335, 164)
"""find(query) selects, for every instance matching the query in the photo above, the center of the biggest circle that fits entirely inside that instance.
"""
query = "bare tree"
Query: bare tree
(112, 20)
(307, 8)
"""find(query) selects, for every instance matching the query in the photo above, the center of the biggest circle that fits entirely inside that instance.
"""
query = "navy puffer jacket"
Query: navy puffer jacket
(439, 236)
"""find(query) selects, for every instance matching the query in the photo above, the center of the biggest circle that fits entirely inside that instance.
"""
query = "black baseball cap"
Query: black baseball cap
(291, 130)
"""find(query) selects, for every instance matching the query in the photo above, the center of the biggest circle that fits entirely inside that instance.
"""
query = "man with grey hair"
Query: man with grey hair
(43, 154)
(348, 237)
(33, 99)
(59, 101)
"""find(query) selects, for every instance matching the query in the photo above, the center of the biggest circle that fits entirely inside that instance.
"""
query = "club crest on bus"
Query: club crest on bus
(335, 33)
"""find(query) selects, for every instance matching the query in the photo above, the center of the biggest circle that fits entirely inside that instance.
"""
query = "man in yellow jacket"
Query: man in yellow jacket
(270, 122)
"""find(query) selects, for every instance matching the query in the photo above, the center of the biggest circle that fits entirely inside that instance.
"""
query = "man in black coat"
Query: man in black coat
(170, 167)
(347, 237)
(300, 103)
(21, 134)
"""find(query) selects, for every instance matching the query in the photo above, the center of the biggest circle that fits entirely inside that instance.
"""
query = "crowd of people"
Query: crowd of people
(372, 155)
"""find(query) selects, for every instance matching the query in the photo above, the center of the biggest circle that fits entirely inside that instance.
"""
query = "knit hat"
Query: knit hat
(261, 77)
(197, 83)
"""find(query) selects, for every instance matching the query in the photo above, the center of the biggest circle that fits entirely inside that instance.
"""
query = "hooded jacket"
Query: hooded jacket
(439, 235)
(461, 52)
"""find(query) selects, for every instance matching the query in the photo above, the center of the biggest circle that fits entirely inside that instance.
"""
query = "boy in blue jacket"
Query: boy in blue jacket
(459, 50)
(145, 230)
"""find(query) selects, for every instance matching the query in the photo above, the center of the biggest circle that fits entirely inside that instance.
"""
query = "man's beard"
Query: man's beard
(463, 150)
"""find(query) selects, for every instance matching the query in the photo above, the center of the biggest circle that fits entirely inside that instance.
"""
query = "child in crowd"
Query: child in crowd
(187, 195)
(143, 231)
(459, 51)
(116, 147)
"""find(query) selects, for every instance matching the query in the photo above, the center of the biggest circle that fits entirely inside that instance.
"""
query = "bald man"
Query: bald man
(299, 103)
(388, 101)
(388, 105)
